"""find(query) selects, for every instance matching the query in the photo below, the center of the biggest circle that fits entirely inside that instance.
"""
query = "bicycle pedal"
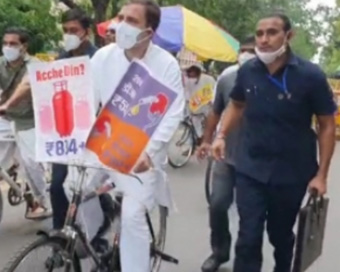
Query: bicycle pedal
(166, 258)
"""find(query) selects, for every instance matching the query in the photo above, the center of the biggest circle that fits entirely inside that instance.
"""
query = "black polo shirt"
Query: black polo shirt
(279, 145)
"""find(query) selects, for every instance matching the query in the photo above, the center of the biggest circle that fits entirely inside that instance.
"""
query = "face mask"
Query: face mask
(11, 53)
(190, 82)
(244, 57)
(127, 35)
(71, 42)
(270, 57)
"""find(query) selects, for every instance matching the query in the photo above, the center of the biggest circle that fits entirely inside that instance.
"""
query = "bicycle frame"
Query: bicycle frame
(10, 181)
(72, 231)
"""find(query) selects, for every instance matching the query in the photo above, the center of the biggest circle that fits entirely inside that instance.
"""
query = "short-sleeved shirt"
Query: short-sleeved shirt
(224, 86)
(279, 145)
(200, 95)
(10, 78)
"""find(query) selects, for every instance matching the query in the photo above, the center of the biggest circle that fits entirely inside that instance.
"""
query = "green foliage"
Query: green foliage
(35, 16)
(238, 17)
(330, 57)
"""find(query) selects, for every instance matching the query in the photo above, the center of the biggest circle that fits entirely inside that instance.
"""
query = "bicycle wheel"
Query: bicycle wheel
(208, 179)
(14, 199)
(50, 259)
(181, 146)
(159, 225)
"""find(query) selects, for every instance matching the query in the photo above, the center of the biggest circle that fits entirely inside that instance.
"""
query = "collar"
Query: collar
(147, 52)
(88, 50)
(26, 59)
(291, 61)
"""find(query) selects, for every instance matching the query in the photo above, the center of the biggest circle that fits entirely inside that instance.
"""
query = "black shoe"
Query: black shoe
(212, 264)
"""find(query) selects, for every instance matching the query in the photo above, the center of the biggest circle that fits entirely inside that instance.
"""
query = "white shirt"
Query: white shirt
(110, 64)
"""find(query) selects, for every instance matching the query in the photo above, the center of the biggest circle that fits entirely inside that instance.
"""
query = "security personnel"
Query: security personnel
(223, 176)
(277, 94)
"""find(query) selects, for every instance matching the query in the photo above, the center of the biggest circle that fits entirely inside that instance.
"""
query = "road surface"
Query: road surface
(188, 232)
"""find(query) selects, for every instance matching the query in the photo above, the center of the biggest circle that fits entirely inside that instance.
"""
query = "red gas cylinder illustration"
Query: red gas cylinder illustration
(46, 118)
(63, 109)
(83, 114)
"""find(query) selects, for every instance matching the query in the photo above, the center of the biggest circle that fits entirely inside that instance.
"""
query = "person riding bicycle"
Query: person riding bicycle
(199, 88)
(13, 68)
(76, 28)
(138, 21)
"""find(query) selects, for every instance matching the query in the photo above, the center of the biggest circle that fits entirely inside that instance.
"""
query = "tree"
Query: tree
(330, 56)
(240, 17)
(35, 16)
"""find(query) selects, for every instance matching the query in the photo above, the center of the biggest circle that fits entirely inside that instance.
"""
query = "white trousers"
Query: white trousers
(137, 200)
(34, 171)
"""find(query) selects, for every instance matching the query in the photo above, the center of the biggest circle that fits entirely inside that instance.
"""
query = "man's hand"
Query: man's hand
(143, 164)
(218, 149)
(319, 184)
(3, 109)
(203, 150)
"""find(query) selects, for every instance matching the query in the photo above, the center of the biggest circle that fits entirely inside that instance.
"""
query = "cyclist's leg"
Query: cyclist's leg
(7, 144)
(35, 172)
(135, 237)
(7, 152)
(197, 123)
(59, 200)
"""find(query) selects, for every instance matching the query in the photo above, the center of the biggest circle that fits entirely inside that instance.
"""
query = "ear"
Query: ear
(88, 31)
(290, 35)
(25, 46)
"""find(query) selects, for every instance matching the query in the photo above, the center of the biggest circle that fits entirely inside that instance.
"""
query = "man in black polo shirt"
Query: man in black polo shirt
(223, 177)
(76, 27)
(277, 94)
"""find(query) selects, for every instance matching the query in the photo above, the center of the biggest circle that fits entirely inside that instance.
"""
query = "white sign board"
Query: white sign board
(64, 112)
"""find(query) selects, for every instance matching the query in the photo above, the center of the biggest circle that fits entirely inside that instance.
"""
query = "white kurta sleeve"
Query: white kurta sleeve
(96, 62)
(170, 122)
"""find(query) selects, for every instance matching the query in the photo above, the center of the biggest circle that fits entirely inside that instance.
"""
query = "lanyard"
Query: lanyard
(282, 85)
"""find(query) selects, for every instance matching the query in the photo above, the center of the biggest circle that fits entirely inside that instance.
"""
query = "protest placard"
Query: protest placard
(63, 107)
(129, 119)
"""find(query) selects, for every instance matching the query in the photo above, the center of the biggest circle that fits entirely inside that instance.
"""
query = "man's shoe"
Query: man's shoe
(211, 264)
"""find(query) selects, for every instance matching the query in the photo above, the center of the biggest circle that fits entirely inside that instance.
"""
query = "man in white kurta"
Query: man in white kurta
(134, 34)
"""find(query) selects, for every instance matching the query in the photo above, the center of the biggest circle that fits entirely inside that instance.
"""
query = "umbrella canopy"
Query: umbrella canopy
(181, 27)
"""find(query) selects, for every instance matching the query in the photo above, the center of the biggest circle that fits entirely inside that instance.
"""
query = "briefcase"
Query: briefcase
(311, 230)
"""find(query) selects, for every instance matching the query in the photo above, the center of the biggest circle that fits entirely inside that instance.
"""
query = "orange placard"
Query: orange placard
(129, 119)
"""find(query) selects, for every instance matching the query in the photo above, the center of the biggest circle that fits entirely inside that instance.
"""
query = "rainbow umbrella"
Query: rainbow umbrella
(181, 27)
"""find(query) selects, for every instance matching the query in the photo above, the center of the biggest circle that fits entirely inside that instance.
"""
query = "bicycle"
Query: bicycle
(65, 244)
(183, 144)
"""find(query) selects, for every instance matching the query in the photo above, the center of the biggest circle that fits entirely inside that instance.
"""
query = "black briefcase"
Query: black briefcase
(311, 230)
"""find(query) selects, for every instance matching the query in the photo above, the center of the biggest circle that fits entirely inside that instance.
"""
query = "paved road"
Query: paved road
(188, 229)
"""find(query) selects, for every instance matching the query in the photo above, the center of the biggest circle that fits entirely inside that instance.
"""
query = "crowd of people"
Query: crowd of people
(257, 127)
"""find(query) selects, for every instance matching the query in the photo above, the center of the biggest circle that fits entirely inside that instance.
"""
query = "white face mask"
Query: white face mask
(11, 53)
(270, 57)
(127, 35)
(71, 42)
(244, 57)
(190, 82)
